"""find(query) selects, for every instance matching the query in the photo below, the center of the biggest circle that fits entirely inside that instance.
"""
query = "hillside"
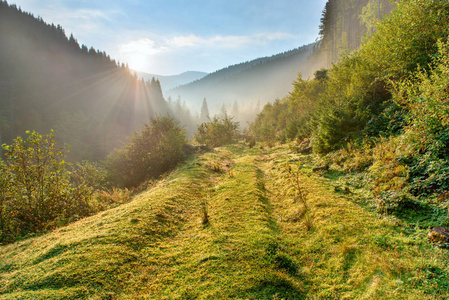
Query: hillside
(260, 241)
(49, 81)
(247, 82)
(173, 81)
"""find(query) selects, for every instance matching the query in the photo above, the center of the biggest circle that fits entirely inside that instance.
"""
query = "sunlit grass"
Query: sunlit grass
(158, 247)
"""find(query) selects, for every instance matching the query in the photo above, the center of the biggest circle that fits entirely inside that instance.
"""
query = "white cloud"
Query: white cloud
(83, 22)
(157, 52)
(185, 41)
(191, 41)
(143, 46)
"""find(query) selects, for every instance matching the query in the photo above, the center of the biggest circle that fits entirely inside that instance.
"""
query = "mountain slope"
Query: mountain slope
(344, 25)
(259, 243)
(48, 81)
(247, 82)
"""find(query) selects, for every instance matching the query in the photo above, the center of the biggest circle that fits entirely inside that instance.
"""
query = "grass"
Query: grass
(158, 247)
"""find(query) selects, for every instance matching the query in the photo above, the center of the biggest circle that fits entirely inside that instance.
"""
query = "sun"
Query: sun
(138, 53)
(138, 61)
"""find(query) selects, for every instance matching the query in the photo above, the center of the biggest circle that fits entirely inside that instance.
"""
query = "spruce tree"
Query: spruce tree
(204, 117)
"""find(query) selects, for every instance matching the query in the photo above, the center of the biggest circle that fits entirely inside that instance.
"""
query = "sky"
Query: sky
(168, 37)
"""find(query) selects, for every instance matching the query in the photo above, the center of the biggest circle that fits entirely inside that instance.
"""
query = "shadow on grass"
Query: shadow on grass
(276, 288)
(422, 215)
(56, 250)
(333, 174)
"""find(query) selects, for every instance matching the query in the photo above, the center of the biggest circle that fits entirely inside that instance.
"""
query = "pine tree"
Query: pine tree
(223, 111)
(204, 117)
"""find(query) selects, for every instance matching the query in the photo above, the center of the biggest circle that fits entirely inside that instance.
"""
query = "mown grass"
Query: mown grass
(255, 245)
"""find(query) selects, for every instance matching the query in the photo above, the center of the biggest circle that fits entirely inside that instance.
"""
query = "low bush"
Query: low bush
(105, 199)
(38, 189)
(219, 131)
(156, 149)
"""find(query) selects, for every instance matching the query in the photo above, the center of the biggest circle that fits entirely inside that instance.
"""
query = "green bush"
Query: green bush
(156, 149)
(425, 96)
(219, 131)
(36, 189)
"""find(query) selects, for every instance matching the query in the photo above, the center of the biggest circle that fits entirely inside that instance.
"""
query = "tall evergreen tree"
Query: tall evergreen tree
(204, 117)
(223, 111)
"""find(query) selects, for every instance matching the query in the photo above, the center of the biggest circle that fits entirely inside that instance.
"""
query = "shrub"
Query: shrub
(156, 149)
(425, 96)
(36, 189)
(219, 131)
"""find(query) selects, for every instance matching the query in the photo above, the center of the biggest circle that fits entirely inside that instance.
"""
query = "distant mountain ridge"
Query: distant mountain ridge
(260, 80)
(173, 81)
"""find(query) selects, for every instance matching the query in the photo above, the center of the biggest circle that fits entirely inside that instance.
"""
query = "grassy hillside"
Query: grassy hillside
(259, 242)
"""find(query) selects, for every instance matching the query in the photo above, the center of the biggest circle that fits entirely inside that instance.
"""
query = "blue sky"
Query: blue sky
(169, 37)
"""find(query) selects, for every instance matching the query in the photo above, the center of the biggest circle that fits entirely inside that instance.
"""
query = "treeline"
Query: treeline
(49, 81)
(381, 110)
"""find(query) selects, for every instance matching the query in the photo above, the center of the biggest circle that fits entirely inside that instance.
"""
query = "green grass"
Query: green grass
(257, 243)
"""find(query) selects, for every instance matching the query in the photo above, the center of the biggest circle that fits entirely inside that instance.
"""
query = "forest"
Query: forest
(49, 81)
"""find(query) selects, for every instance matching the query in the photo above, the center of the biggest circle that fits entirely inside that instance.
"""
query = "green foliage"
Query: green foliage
(36, 188)
(408, 37)
(290, 118)
(105, 199)
(156, 149)
(407, 169)
(219, 131)
(353, 99)
(334, 129)
(426, 96)
(270, 121)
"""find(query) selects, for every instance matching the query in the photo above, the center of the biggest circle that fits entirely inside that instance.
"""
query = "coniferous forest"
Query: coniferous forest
(49, 81)
(338, 190)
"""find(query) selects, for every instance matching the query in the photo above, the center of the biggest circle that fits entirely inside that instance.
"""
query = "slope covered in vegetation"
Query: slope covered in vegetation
(49, 81)
(381, 111)
(230, 224)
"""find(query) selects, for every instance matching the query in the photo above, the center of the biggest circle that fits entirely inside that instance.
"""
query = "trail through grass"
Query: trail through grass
(257, 243)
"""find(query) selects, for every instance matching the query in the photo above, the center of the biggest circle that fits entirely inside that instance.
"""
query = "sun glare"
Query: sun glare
(138, 61)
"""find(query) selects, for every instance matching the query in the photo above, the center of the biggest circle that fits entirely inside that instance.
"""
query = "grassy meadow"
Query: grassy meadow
(235, 223)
